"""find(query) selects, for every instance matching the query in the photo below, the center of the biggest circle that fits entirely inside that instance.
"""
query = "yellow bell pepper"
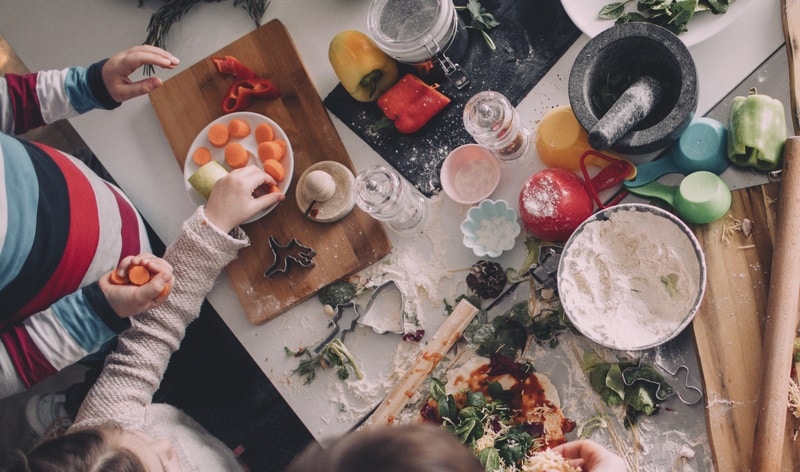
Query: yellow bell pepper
(364, 70)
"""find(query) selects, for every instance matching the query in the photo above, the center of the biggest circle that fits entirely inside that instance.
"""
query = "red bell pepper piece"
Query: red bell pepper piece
(229, 65)
(242, 93)
(411, 103)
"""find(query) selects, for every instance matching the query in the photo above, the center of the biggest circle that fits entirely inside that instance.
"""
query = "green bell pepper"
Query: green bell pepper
(756, 131)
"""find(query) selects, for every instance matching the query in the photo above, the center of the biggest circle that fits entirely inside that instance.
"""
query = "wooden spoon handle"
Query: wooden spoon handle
(782, 318)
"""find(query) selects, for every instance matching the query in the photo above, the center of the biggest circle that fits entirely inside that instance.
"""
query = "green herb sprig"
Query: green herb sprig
(481, 20)
(173, 10)
(334, 354)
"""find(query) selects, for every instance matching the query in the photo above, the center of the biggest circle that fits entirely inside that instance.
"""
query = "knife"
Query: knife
(784, 286)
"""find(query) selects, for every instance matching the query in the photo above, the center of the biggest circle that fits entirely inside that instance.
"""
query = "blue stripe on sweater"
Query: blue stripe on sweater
(22, 198)
(51, 234)
(79, 91)
(90, 332)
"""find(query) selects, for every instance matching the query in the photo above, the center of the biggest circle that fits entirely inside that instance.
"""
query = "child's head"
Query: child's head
(405, 448)
(104, 448)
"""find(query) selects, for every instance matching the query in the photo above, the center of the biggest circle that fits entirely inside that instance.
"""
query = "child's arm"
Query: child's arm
(207, 244)
(31, 100)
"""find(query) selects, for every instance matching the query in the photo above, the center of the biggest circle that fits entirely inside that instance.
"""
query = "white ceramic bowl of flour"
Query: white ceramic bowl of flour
(631, 277)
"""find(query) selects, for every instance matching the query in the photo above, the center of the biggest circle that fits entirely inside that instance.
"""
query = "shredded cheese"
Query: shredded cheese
(547, 461)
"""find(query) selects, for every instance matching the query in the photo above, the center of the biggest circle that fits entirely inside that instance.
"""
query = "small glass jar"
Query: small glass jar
(418, 31)
(493, 122)
(384, 195)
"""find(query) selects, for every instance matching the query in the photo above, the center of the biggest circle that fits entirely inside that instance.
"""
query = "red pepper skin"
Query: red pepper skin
(241, 93)
(229, 65)
(411, 103)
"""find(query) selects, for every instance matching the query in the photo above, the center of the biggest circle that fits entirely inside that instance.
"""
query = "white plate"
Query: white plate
(249, 143)
(703, 25)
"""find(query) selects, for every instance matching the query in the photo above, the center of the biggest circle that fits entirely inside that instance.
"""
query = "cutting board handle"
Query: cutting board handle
(782, 318)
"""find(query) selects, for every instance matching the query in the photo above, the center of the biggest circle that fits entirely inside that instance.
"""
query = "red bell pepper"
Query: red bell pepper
(411, 103)
(229, 65)
(242, 93)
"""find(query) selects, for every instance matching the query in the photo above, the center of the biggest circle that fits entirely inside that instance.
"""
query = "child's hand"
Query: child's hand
(130, 299)
(120, 66)
(232, 202)
(590, 456)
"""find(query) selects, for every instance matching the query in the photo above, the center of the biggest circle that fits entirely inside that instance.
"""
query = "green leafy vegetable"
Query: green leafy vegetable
(334, 354)
(481, 20)
(337, 293)
(548, 325)
(671, 14)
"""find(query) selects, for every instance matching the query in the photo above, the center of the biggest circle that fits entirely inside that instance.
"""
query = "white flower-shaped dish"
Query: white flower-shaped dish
(490, 228)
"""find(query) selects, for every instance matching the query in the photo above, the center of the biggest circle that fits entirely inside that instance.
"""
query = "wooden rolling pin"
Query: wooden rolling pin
(784, 284)
(441, 342)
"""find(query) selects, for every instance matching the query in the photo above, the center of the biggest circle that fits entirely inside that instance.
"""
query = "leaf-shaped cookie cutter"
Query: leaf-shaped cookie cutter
(293, 252)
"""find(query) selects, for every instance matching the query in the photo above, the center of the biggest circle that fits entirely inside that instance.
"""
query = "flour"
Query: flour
(630, 280)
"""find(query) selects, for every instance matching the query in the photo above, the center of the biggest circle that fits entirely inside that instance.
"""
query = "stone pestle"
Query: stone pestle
(635, 103)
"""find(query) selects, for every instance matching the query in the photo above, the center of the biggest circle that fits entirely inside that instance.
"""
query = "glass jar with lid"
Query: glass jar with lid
(419, 31)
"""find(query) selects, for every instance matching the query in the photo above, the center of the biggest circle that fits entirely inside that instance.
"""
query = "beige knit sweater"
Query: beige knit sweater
(123, 392)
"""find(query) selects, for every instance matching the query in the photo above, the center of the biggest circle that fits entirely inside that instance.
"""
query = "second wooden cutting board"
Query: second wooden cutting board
(190, 100)
(729, 327)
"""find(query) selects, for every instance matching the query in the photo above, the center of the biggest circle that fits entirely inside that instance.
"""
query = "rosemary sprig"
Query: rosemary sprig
(173, 10)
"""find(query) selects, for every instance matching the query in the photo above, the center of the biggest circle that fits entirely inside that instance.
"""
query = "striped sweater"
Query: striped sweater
(61, 228)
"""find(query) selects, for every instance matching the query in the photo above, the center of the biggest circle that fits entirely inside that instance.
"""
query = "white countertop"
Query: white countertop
(131, 144)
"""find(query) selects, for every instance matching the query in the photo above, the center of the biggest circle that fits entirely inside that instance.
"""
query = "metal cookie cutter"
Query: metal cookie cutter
(360, 315)
(293, 252)
(661, 396)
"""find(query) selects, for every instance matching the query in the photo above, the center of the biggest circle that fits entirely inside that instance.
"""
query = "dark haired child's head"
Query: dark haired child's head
(406, 448)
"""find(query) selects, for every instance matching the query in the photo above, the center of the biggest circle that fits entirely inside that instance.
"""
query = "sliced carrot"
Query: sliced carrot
(138, 275)
(201, 156)
(264, 133)
(269, 150)
(238, 128)
(283, 146)
(164, 292)
(117, 279)
(274, 188)
(218, 135)
(236, 155)
(274, 169)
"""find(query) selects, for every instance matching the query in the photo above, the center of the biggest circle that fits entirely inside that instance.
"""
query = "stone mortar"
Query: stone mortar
(626, 52)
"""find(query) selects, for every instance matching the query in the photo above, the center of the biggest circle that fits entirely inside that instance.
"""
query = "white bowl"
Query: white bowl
(249, 143)
(470, 173)
(490, 228)
(631, 277)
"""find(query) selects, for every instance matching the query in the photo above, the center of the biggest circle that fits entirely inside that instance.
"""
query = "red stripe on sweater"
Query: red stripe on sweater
(129, 230)
(28, 360)
(24, 101)
(84, 234)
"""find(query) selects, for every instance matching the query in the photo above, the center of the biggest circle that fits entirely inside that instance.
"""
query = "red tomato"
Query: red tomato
(552, 203)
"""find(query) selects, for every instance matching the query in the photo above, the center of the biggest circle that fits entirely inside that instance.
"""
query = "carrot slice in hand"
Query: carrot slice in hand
(264, 133)
(163, 293)
(238, 128)
(274, 169)
(117, 279)
(269, 150)
(218, 135)
(138, 275)
(236, 155)
(201, 156)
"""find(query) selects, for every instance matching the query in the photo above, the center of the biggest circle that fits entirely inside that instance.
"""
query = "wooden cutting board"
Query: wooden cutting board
(187, 102)
(729, 327)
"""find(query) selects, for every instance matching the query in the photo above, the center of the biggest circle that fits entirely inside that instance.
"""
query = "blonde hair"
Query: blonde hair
(90, 449)
(405, 448)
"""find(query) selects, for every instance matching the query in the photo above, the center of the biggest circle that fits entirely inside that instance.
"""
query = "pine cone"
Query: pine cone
(487, 279)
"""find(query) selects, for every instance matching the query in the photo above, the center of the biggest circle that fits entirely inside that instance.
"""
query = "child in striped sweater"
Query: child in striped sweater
(61, 226)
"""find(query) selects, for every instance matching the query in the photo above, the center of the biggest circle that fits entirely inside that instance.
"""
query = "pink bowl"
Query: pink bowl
(470, 173)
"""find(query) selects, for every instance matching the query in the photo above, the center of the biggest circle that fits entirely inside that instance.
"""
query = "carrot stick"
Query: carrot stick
(269, 150)
(236, 155)
(274, 169)
(238, 128)
(165, 292)
(218, 135)
(117, 279)
(201, 156)
(138, 275)
(264, 133)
